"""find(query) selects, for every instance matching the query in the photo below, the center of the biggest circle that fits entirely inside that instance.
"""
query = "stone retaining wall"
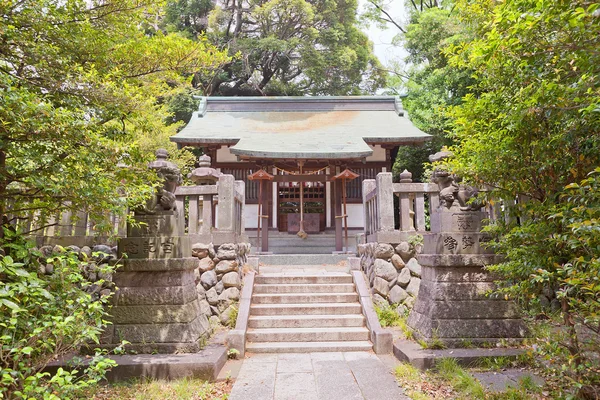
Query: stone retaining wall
(393, 273)
(219, 278)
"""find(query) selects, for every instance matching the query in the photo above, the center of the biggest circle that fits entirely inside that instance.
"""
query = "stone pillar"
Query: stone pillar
(156, 305)
(453, 305)
(385, 201)
(225, 208)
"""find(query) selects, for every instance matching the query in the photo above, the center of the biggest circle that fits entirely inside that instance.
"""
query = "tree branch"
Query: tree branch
(384, 12)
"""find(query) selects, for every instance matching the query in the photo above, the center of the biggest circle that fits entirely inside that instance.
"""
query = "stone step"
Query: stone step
(305, 288)
(302, 279)
(334, 334)
(308, 347)
(302, 259)
(306, 309)
(295, 241)
(303, 250)
(296, 298)
(305, 321)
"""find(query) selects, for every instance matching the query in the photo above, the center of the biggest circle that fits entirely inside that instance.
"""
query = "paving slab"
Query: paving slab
(294, 363)
(411, 352)
(256, 380)
(335, 379)
(500, 381)
(294, 386)
(316, 376)
(375, 380)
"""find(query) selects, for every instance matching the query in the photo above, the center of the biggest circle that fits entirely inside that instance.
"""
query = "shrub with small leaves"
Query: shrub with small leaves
(558, 246)
(44, 316)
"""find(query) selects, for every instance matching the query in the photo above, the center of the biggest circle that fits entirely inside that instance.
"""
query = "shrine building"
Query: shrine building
(303, 142)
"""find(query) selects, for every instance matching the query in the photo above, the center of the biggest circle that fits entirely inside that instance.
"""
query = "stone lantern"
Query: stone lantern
(204, 174)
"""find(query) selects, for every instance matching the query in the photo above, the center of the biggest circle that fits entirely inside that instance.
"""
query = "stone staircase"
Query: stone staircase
(306, 313)
(315, 243)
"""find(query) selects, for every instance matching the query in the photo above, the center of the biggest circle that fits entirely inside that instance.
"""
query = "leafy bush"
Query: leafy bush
(45, 315)
(558, 246)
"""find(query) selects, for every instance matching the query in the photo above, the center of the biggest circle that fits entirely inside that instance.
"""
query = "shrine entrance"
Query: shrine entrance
(301, 195)
(289, 198)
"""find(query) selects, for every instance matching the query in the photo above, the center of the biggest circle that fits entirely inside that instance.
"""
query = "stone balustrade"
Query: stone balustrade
(430, 261)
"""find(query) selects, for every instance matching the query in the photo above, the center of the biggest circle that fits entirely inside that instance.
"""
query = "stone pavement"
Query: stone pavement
(312, 376)
(502, 380)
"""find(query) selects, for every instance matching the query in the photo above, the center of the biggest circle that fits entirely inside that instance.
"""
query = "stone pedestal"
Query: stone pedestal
(453, 305)
(156, 306)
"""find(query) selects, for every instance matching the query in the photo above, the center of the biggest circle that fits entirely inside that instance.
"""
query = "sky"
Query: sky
(382, 39)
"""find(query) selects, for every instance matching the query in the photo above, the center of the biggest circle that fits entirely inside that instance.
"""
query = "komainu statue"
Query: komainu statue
(451, 191)
(164, 199)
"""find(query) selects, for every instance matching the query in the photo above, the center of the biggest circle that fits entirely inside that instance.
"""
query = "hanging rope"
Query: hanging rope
(301, 173)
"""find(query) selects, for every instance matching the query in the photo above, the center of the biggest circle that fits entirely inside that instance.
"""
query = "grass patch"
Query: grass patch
(495, 363)
(435, 343)
(406, 372)
(451, 381)
(387, 315)
(233, 316)
(460, 379)
(184, 389)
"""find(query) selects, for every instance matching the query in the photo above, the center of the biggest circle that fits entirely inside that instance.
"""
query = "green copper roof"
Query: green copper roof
(300, 127)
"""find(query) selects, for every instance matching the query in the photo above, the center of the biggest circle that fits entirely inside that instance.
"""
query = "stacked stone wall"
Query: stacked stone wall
(219, 279)
(94, 261)
(393, 273)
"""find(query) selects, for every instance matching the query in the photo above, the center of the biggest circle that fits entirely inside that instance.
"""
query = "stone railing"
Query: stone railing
(412, 214)
(371, 208)
(215, 213)
(378, 200)
(211, 214)
(418, 211)
(70, 228)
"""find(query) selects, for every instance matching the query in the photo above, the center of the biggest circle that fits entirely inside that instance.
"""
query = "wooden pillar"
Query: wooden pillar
(338, 187)
(264, 226)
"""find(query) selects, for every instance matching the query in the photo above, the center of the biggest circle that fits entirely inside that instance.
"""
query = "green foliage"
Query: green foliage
(558, 247)
(495, 363)
(428, 84)
(80, 82)
(533, 130)
(406, 371)
(291, 47)
(233, 314)
(434, 343)
(188, 16)
(387, 315)
(448, 378)
(233, 354)
(43, 317)
(147, 389)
